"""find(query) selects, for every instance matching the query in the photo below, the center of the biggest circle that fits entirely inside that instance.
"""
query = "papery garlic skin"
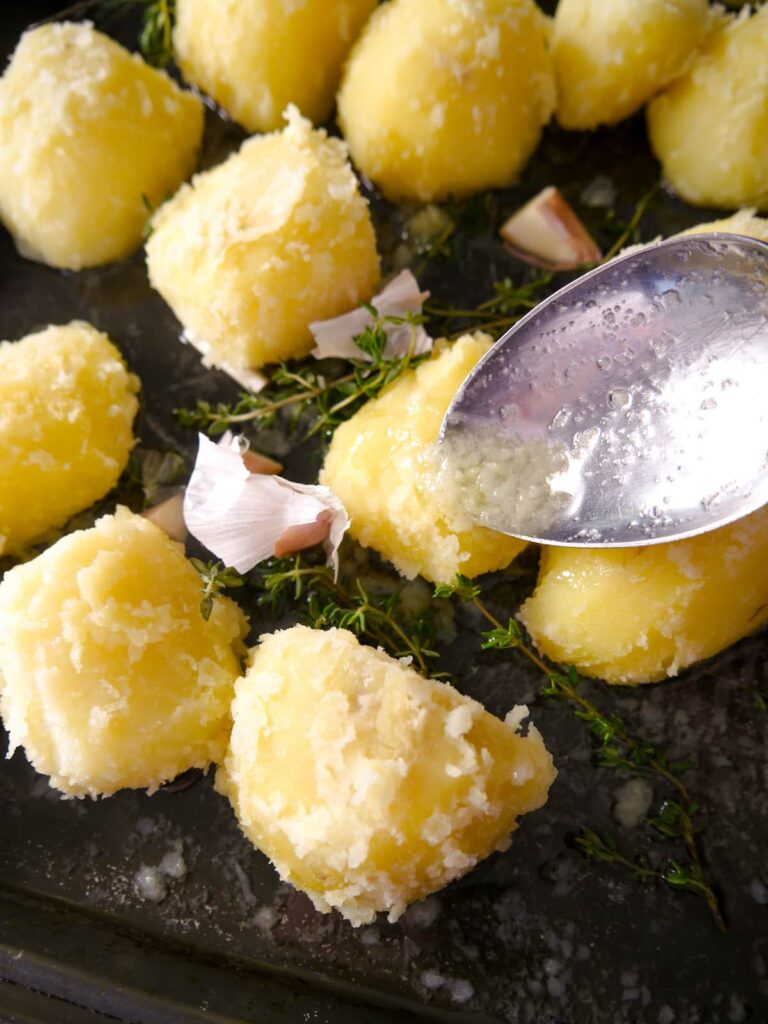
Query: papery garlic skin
(401, 297)
(242, 517)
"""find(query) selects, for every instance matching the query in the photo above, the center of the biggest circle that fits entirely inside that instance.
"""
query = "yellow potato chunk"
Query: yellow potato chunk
(382, 465)
(109, 675)
(637, 615)
(252, 252)
(89, 135)
(254, 57)
(367, 785)
(610, 58)
(67, 404)
(710, 128)
(744, 222)
(447, 97)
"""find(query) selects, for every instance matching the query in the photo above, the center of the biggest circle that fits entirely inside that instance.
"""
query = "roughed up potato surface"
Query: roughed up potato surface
(744, 222)
(109, 676)
(710, 128)
(611, 56)
(254, 57)
(67, 405)
(637, 615)
(447, 97)
(367, 785)
(89, 135)
(381, 464)
(253, 251)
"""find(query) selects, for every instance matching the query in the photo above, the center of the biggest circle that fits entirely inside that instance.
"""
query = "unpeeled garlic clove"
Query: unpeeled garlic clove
(547, 233)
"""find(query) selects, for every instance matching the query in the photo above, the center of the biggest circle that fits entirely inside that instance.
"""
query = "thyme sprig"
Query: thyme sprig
(681, 877)
(629, 230)
(604, 849)
(215, 579)
(157, 21)
(617, 748)
(300, 583)
(316, 394)
(508, 304)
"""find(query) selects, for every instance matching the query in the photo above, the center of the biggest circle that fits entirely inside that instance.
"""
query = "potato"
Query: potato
(109, 675)
(710, 129)
(610, 58)
(744, 222)
(381, 464)
(447, 97)
(89, 135)
(637, 615)
(367, 785)
(254, 57)
(253, 251)
(67, 405)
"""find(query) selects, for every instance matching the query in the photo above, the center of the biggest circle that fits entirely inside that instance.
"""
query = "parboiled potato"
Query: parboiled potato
(89, 134)
(254, 57)
(744, 222)
(710, 128)
(252, 252)
(367, 785)
(382, 465)
(610, 58)
(67, 405)
(447, 97)
(109, 675)
(637, 615)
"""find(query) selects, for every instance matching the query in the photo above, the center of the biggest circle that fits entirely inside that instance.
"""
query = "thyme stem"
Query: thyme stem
(633, 223)
(272, 407)
(618, 749)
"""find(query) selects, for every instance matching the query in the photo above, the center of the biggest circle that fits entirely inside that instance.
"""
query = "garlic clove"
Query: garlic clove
(169, 516)
(296, 538)
(243, 517)
(255, 462)
(547, 233)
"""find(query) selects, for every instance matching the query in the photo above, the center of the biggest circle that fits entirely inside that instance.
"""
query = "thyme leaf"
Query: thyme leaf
(157, 20)
(156, 34)
(215, 578)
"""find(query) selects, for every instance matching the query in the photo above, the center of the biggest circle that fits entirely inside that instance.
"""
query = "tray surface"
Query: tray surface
(538, 934)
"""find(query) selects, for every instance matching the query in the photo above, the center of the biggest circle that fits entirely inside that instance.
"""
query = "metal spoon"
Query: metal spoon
(635, 400)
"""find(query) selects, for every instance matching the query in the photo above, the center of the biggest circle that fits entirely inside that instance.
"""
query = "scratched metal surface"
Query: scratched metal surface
(534, 935)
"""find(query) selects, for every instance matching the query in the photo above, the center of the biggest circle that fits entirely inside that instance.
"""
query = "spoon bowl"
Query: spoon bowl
(629, 408)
